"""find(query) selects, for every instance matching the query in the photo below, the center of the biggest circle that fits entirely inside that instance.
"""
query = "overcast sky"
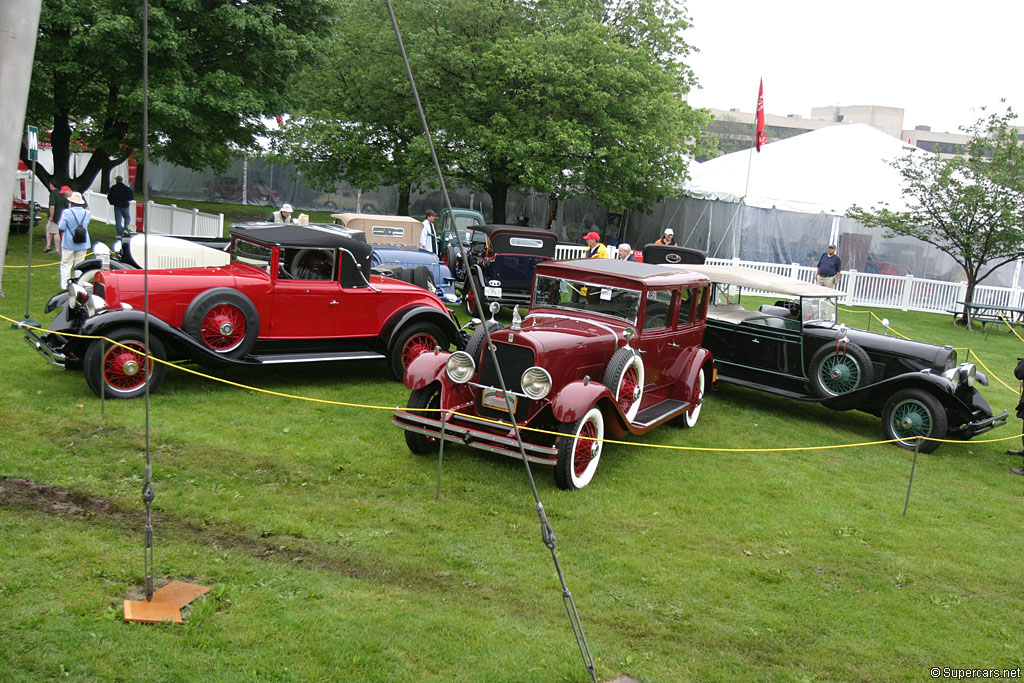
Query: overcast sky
(938, 60)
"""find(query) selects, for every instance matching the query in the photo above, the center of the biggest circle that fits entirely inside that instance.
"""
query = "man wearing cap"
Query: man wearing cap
(58, 202)
(72, 252)
(120, 197)
(283, 215)
(829, 268)
(594, 247)
(428, 236)
(668, 238)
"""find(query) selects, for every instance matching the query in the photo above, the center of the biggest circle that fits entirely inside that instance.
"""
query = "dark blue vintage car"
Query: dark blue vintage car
(506, 256)
(795, 347)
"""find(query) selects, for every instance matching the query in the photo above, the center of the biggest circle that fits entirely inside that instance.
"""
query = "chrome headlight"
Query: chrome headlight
(950, 359)
(460, 367)
(536, 382)
(77, 295)
(94, 304)
(968, 373)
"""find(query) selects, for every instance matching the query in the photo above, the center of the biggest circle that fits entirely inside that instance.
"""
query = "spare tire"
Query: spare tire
(835, 370)
(223, 320)
(479, 338)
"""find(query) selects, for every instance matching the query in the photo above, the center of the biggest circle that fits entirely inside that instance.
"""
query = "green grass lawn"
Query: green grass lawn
(330, 559)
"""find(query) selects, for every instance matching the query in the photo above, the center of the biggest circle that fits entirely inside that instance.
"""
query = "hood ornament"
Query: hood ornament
(517, 320)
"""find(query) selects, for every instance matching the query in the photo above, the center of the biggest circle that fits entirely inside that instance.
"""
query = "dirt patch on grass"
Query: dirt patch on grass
(53, 499)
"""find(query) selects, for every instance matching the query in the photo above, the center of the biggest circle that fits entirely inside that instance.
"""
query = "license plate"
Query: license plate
(492, 292)
(494, 398)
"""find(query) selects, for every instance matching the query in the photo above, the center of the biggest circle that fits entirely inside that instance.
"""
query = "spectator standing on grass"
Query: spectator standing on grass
(829, 268)
(120, 197)
(74, 241)
(428, 236)
(58, 202)
(1018, 372)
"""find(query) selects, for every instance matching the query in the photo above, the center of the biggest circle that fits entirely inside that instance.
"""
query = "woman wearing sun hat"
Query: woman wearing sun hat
(72, 250)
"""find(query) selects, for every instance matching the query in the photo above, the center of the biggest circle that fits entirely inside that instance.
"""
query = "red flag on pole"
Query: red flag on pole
(761, 138)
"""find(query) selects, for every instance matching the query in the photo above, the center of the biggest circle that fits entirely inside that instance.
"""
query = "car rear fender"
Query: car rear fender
(427, 368)
(576, 398)
(405, 317)
(685, 369)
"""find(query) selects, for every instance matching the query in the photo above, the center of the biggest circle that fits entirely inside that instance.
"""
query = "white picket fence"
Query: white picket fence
(164, 219)
(905, 292)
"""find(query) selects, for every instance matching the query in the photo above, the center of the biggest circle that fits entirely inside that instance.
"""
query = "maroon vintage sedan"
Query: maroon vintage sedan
(608, 348)
(290, 294)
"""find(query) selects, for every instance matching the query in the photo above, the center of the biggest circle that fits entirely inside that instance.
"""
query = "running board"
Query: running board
(764, 387)
(278, 358)
(660, 412)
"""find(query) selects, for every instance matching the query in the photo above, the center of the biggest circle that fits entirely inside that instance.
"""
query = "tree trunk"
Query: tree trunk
(499, 196)
(552, 211)
(404, 191)
(968, 316)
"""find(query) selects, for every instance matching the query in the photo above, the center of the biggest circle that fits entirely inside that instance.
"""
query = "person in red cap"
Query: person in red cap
(58, 202)
(594, 247)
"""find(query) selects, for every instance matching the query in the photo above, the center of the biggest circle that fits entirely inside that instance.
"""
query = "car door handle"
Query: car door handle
(673, 345)
(755, 341)
(334, 303)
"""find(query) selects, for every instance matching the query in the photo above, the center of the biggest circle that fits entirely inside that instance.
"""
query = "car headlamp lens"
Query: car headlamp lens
(950, 360)
(94, 304)
(77, 295)
(536, 382)
(460, 367)
(968, 373)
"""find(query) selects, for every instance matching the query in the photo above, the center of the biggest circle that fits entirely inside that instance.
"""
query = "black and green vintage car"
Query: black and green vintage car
(795, 347)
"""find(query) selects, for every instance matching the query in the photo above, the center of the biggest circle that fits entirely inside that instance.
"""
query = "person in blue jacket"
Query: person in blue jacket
(74, 229)
(829, 268)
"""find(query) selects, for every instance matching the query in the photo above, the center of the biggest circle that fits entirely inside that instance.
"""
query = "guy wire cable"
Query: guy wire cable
(547, 534)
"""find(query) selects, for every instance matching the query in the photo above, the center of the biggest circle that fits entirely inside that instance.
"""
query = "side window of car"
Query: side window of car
(307, 264)
(658, 308)
(687, 297)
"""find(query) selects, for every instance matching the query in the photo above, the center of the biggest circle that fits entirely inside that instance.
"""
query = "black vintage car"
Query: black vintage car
(506, 256)
(795, 347)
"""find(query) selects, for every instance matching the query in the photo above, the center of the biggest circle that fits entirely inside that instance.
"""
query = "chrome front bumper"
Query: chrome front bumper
(477, 437)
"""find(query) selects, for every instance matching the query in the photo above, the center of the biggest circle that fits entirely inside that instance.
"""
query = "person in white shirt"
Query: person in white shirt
(428, 238)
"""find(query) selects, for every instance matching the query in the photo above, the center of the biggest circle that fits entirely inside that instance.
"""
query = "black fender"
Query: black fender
(58, 300)
(169, 335)
(95, 264)
(401, 318)
(872, 398)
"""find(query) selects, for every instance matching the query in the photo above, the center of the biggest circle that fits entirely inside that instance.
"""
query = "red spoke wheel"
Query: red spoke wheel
(625, 378)
(224, 321)
(411, 341)
(579, 450)
(123, 371)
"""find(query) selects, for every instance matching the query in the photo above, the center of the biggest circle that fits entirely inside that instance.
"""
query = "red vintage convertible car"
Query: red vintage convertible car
(608, 347)
(288, 295)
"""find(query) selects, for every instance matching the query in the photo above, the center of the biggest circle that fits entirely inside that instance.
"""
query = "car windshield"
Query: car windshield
(251, 253)
(575, 295)
(818, 310)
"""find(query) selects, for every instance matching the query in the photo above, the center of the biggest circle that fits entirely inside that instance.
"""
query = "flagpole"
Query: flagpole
(758, 141)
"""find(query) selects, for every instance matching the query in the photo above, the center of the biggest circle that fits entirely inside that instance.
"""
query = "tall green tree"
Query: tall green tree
(970, 206)
(565, 97)
(216, 69)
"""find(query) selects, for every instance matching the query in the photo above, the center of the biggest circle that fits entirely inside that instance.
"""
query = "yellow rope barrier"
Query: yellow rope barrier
(47, 265)
(501, 423)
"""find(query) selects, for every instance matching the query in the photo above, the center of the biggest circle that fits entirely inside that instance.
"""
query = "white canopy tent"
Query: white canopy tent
(794, 203)
(824, 171)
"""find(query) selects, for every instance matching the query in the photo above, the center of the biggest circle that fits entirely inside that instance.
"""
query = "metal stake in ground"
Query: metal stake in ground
(917, 447)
